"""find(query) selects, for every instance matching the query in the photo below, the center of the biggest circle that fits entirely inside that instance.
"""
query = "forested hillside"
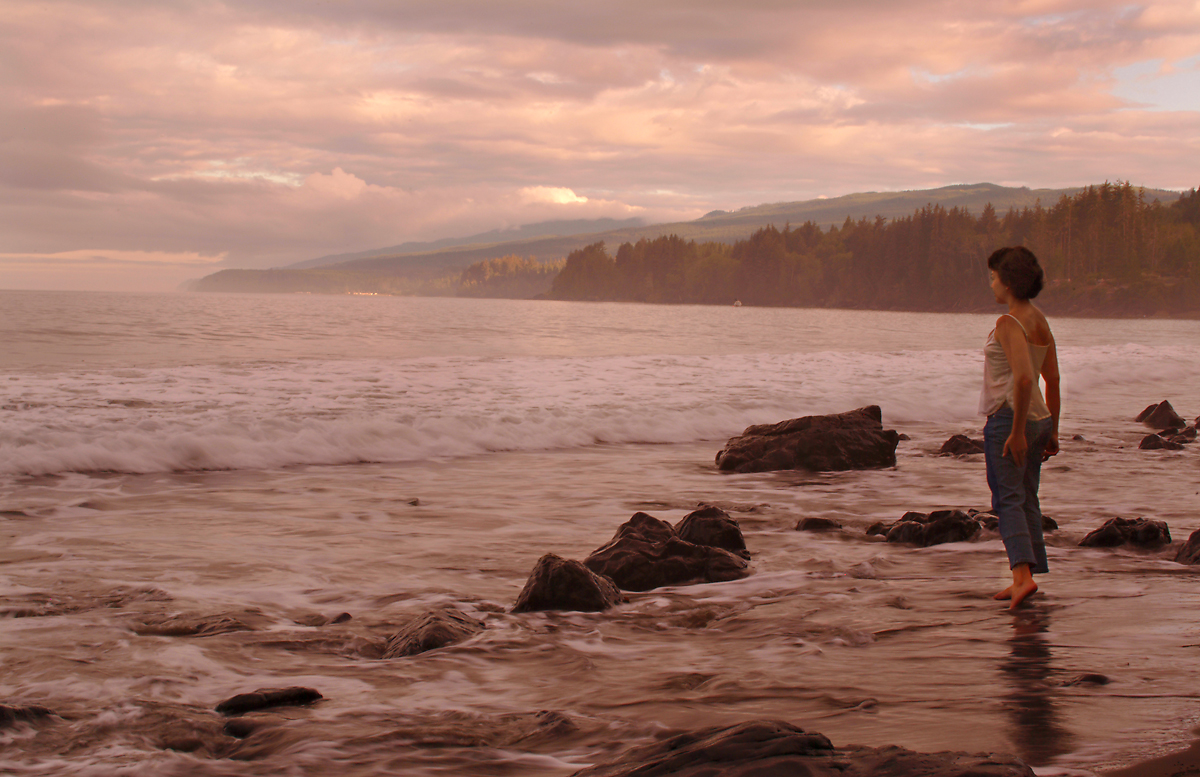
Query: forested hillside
(1106, 250)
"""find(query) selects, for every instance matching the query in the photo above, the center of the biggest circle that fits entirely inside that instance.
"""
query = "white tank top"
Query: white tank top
(998, 377)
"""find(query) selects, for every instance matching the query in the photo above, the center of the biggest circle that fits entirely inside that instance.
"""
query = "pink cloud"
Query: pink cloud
(273, 132)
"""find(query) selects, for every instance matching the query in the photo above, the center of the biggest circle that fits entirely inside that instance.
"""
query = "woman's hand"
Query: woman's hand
(1051, 448)
(1016, 446)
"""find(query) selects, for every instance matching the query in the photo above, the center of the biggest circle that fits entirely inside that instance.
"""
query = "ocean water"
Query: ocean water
(270, 462)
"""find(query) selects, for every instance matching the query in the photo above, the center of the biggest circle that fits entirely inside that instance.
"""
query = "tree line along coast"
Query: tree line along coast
(1106, 249)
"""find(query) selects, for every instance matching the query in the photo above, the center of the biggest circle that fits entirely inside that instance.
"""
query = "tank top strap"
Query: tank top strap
(1023, 330)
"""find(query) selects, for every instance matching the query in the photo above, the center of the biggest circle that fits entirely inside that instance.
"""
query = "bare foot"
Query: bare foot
(1020, 591)
(1005, 594)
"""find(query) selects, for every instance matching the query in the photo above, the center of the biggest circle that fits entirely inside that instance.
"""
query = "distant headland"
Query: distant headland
(1109, 250)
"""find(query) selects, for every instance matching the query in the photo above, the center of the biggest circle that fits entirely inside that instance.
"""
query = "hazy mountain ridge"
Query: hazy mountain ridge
(414, 272)
(541, 229)
(724, 227)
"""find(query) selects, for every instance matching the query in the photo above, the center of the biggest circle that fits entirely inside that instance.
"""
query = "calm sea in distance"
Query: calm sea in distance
(261, 464)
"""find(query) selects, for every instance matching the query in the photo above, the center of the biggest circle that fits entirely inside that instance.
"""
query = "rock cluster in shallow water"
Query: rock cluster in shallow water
(706, 546)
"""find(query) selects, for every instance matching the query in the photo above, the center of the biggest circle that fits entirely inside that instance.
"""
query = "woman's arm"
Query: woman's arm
(1016, 350)
(1053, 396)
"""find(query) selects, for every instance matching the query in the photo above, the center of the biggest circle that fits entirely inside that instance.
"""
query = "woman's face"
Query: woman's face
(998, 288)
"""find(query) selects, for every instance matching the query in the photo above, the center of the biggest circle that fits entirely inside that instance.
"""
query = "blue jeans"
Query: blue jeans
(1015, 489)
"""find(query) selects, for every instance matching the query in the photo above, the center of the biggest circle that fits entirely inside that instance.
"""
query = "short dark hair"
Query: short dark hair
(1019, 270)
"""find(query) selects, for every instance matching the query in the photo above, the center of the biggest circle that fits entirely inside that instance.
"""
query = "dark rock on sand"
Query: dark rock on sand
(265, 698)
(11, 716)
(771, 748)
(646, 553)
(432, 630)
(1141, 532)
(1161, 416)
(557, 583)
(1153, 442)
(851, 440)
(1189, 552)
(817, 524)
(713, 527)
(934, 528)
(961, 445)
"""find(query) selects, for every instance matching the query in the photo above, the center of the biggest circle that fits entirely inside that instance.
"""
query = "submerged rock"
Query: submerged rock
(432, 630)
(265, 698)
(1154, 442)
(772, 748)
(1141, 532)
(11, 716)
(557, 583)
(817, 524)
(926, 529)
(1189, 552)
(851, 440)
(961, 445)
(647, 553)
(1161, 416)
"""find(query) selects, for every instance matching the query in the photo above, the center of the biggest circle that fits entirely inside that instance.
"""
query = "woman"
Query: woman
(1022, 428)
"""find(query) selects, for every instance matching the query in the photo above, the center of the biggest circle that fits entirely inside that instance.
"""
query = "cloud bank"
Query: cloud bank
(261, 133)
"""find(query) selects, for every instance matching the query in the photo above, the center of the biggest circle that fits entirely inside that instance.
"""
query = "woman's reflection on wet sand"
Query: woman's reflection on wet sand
(1037, 734)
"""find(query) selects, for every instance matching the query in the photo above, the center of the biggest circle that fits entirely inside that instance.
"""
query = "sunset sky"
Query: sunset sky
(145, 142)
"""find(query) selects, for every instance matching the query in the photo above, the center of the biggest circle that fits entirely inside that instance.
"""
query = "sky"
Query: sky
(147, 142)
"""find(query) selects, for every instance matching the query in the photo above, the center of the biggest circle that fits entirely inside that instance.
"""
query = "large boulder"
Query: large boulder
(647, 553)
(1140, 532)
(713, 527)
(925, 529)
(1161, 416)
(772, 748)
(557, 583)
(823, 443)
(432, 630)
(1189, 552)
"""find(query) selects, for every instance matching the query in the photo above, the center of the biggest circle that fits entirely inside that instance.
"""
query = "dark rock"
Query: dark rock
(1184, 436)
(432, 630)
(1161, 416)
(1189, 552)
(879, 528)
(819, 524)
(11, 716)
(265, 698)
(851, 440)
(343, 618)
(713, 527)
(771, 748)
(1088, 678)
(557, 583)
(960, 445)
(1153, 442)
(1141, 532)
(645, 553)
(904, 437)
(1078, 438)
(936, 528)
